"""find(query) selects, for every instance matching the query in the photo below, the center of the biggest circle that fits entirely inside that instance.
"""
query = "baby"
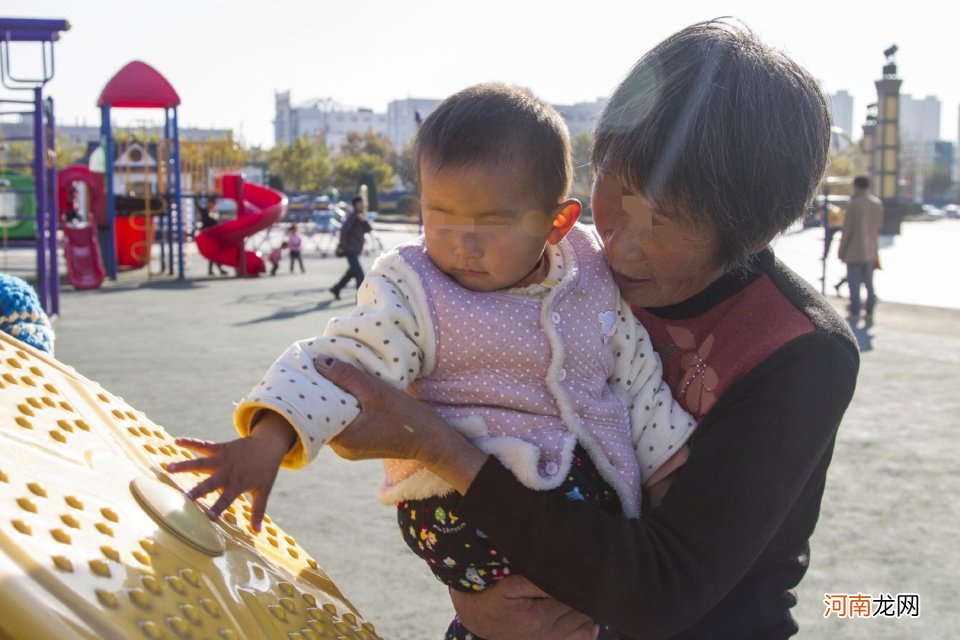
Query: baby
(505, 317)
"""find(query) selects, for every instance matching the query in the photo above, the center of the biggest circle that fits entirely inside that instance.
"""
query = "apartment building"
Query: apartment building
(398, 125)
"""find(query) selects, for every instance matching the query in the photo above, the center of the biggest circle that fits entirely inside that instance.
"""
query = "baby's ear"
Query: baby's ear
(566, 217)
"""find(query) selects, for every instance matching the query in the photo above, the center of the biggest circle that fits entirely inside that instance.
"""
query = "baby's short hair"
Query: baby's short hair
(494, 124)
(716, 126)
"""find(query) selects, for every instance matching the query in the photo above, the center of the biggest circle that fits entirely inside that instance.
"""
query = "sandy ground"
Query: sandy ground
(183, 352)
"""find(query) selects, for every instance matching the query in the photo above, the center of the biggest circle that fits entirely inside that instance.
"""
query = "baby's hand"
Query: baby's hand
(245, 465)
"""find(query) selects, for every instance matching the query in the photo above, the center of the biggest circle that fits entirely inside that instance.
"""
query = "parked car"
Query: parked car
(952, 210)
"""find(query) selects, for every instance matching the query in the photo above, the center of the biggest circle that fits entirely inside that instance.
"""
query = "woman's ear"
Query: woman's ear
(566, 217)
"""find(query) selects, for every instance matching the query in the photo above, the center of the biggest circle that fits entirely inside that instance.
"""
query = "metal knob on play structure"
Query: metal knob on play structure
(96, 541)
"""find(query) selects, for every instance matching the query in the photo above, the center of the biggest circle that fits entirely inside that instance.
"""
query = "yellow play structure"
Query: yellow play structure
(98, 542)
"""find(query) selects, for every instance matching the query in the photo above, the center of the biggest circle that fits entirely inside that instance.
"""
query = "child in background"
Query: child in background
(294, 242)
(505, 316)
(276, 254)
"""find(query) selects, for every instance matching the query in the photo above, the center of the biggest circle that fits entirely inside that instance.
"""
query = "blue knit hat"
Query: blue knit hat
(21, 314)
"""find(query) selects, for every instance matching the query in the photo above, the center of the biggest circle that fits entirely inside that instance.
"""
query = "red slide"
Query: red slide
(257, 208)
(82, 251)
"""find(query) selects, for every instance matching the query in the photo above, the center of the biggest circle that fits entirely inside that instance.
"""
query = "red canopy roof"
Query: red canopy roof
(138, 85)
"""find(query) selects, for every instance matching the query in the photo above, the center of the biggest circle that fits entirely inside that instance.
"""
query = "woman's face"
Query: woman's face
(656, 262)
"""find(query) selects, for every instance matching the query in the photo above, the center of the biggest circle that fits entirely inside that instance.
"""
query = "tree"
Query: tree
(350, 169)
(937, 181)
(303, 166)
(203, 160)
(256, 155)
(369, 142)
(366, 157)
(844, 162)
(69, 151)
(19, 154)
(16, 155)
(403, 164)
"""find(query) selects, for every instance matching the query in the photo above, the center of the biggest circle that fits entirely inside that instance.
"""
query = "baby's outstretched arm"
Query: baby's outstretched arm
(385, 335)
(245, 465)
(292, 412)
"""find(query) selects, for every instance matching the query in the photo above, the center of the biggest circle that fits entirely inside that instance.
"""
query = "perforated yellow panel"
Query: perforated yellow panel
(82, 557)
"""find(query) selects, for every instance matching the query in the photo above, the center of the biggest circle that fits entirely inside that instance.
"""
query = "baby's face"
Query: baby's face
(484, 226)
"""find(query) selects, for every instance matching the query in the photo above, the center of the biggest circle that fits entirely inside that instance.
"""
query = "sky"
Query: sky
(226, 59)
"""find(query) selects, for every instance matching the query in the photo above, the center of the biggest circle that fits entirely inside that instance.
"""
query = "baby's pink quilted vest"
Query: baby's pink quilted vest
(495, 357)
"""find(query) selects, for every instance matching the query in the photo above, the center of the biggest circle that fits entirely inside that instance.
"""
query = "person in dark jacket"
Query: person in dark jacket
(209, 218)
(352, 235)
(696, 174)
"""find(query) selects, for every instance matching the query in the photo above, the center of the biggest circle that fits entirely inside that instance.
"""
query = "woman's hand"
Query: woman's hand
(515, 609)
(391, 424)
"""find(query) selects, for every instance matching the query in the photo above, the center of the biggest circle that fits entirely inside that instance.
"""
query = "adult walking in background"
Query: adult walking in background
(352, 235)
(858, 247)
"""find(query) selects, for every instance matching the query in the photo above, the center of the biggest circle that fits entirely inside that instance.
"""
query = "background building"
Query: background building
(404, 116)
(919, 119)
(323, 116)
(919, 138)
(283, 125)
(398, 124)
(943, 155)
(23, 127)
(581, 116)
(841, 111)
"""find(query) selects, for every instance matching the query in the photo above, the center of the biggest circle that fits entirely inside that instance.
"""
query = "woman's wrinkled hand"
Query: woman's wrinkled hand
(391, 424)
(516, 609)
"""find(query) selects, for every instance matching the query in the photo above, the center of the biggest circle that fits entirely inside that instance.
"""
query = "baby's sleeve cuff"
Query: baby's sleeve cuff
(299, 454)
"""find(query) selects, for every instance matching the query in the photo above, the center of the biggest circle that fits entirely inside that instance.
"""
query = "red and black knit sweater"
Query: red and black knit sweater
(768, 368)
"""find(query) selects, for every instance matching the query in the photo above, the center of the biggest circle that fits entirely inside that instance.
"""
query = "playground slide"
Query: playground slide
(258, 208)
(82, 251)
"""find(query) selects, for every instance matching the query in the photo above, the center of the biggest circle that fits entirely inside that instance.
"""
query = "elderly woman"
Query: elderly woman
(710, 147)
